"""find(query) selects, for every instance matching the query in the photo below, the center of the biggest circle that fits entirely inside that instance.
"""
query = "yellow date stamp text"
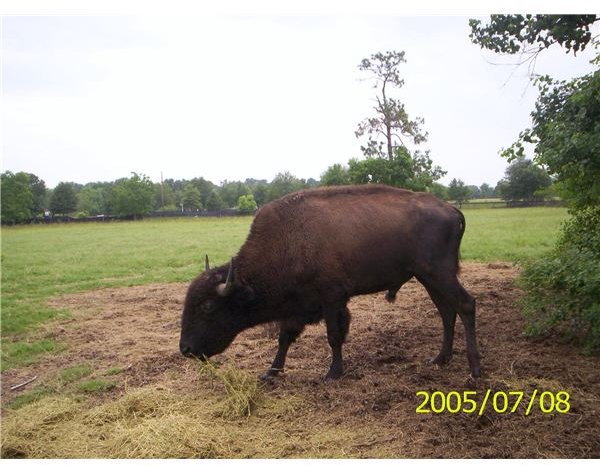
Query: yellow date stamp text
(473, 402)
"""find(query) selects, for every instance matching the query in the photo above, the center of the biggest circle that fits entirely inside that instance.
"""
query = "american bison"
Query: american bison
(309, 252)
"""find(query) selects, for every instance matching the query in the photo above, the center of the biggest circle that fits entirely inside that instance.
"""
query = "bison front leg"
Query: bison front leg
(338, 323)
(288, 332)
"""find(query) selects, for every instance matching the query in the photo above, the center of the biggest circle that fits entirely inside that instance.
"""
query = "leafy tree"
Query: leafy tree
(191, 198)
(163, 197)
(486, 191)
(92, 200)
(475, 192)
(231, 191)
(205, 188)
(457, 191)
(424, 173)
(336, 175)
(403, 170)
(214, 201)
(246, 204)
(310, 183)
(439, 190)
(260, 192)
(132, 196)
(284, 183)
(523, 181)
(532, 33)
(566, 125)
(391, 122)
(40, 194)
(64, 199)
(18, 202)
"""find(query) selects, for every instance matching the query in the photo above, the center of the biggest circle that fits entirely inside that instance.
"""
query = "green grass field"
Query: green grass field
(39, 262)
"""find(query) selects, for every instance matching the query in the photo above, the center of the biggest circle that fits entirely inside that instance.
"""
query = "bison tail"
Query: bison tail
(461, 227)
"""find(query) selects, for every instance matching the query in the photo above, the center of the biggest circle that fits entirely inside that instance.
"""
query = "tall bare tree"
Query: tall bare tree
(391, 124)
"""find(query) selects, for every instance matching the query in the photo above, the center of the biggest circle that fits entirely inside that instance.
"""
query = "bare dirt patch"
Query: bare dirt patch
(373, 406)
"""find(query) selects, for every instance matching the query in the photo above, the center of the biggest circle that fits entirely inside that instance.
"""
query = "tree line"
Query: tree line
(26, 197)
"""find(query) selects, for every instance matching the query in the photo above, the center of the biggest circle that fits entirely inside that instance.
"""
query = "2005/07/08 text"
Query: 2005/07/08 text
(499, 402)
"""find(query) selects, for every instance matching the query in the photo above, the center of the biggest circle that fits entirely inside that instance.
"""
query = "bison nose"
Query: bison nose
(185, 349)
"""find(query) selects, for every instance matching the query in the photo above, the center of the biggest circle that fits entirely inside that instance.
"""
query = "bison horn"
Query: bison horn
(206, 266)
(225, 288)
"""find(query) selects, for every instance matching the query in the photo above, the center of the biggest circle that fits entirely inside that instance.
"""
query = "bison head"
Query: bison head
(215, 311)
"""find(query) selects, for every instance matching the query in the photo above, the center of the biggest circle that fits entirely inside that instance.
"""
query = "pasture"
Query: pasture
(91, 311)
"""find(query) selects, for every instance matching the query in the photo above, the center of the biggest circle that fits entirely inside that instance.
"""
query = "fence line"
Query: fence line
(112, 218)
(509, 204)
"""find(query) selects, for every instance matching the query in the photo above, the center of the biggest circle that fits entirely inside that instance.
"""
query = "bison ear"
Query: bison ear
(206, 266)
(224, 289)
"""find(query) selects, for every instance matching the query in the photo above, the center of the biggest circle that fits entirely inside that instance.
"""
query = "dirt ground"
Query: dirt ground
(137, 328)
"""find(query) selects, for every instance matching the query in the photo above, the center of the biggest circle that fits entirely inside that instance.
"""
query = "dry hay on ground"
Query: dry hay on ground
(368, 413)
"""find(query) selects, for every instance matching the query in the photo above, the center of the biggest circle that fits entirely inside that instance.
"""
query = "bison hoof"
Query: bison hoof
(333, 375)
(270, 374)
(390, 297)
(476, 373)
(441, 359)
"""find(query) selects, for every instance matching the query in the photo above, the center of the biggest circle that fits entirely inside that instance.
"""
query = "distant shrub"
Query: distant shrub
(246, 204)
(563, 287)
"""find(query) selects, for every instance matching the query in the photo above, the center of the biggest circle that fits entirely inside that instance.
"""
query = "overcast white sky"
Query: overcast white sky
(88, 98)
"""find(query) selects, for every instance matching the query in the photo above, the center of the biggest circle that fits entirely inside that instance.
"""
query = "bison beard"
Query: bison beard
(309, 252)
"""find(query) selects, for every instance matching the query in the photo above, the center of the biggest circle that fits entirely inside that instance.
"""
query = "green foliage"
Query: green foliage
(40, 194)
(92, 200)
(403, 170)
(214, 201)
(563, 288)
(391, 121)
(260, 191)
(566, 134)
(335, 175)
(163, 197)
(515, 33)
(205, 187)
(284, 183)
(486, 191)
(17, 198)
(231, 191)
(246, 204)
(439, 190)
(524, 180)
(191, 198)
(457, 191)
(132, 196)
(64, 199)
